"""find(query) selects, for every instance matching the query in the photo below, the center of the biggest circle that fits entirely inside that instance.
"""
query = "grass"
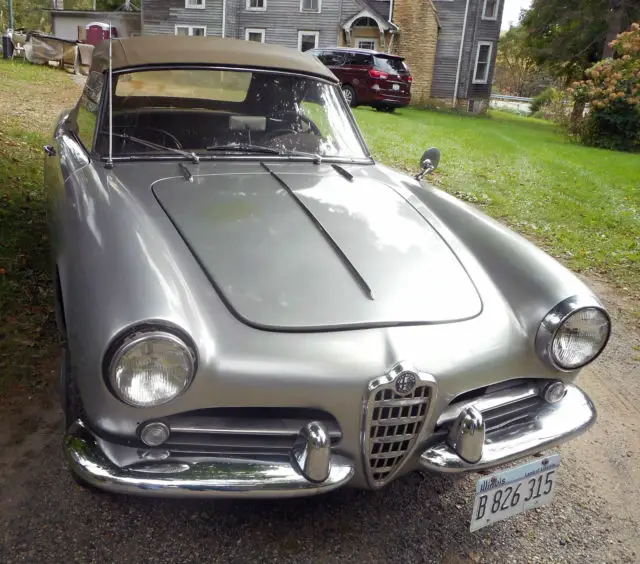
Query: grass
(27, 337)
(580, 204)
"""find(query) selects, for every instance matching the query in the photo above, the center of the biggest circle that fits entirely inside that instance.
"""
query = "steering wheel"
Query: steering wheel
(164, 132)
(287, 130)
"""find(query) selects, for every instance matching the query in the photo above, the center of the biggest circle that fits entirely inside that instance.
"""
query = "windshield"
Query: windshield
(228, 112)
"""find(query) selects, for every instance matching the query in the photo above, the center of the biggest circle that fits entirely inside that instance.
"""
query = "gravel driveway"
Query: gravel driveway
(595, 517)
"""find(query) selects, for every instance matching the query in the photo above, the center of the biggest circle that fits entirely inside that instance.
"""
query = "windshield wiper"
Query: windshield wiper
(248, 148)
(244, 147)
(151, 145)
(317, 159)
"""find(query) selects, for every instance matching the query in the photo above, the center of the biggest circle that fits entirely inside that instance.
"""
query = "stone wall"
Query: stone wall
(417, 41)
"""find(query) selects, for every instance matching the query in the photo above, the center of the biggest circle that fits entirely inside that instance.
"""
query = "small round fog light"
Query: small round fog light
(154, 434)
(554, 392)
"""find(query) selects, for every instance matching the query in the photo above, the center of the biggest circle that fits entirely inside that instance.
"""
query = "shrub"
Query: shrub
(542, 99)
(613, 90)
(616, 126)
(552, 104)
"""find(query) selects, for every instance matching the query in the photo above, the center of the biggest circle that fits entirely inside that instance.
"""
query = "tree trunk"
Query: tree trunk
(614, 26)
(578, 110)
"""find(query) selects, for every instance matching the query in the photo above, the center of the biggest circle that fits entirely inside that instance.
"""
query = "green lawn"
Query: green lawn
(580, 204)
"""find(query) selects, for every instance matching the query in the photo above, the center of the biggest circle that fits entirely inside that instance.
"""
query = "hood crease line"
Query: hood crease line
(362, 283)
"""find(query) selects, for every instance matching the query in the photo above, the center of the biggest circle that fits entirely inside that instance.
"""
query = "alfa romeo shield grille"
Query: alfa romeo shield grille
(393, 422)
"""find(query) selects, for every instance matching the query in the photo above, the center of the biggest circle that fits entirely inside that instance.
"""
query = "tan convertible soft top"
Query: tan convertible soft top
(172, 49)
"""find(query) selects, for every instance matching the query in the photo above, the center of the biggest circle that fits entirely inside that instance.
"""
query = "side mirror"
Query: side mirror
(428, 162)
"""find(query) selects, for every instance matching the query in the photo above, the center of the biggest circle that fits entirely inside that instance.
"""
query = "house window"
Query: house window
(367, 44)
(490, 10)
(257, 5)
(365, 22)
(483, 60)
(191, 30)
(310, 5)
(307, 40)
(198, 4)
(256, 35)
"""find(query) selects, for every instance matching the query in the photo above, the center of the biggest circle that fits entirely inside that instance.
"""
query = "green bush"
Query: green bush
(616, 126)
(545, 97)
(613, 92)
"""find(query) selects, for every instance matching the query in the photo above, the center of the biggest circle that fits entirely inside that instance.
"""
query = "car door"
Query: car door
(359, 65)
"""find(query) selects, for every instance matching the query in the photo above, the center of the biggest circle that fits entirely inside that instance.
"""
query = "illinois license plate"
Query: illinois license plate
(513, 491)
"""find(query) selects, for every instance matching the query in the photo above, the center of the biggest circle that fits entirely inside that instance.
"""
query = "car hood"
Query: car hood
(315, 250)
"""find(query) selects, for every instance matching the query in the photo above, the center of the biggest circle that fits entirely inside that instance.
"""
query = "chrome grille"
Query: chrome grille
(243, 431)
(503, 406)
(511, 414)
(393, 422)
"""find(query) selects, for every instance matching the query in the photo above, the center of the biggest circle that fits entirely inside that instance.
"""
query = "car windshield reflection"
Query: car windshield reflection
(235, 112)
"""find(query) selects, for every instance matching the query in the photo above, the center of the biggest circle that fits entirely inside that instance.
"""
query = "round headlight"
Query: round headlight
(580, 338)
(151, 369)
(573, 334)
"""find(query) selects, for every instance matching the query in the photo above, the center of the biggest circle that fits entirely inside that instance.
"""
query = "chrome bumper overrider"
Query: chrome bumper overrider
(467, 448)
(313, 469)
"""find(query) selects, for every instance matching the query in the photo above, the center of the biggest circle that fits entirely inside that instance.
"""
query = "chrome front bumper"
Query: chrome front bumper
(467, 448)
(313, 469)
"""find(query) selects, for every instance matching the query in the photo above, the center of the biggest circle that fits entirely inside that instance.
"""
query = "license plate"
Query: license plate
(395, 87)
(514, 491)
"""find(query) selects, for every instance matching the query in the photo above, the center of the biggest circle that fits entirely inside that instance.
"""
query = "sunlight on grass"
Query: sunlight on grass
(581, 204)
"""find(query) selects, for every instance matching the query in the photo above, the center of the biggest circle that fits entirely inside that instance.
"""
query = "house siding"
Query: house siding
(451, 17)
(160, 17)
(484, 30)
(282, 20)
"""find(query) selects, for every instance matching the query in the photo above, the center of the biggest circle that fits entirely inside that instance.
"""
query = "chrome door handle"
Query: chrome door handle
(49, 150)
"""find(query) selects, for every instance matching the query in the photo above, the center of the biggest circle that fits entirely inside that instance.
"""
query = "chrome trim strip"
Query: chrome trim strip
(263, 427)
(398, 403)
(490, 401)
(553, 425)
(208, 477)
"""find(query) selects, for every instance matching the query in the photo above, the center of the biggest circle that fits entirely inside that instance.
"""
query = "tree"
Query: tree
(569, 36)
(516, 72)
(613, 90)
(29, 14)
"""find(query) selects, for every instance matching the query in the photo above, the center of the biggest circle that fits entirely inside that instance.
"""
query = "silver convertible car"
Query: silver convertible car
(251, 306)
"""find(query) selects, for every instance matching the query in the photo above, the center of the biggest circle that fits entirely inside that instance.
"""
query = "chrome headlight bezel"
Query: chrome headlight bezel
(134, 338)
(555, 319)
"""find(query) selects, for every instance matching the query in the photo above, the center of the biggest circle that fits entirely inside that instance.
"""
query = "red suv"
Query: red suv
(368, 77)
